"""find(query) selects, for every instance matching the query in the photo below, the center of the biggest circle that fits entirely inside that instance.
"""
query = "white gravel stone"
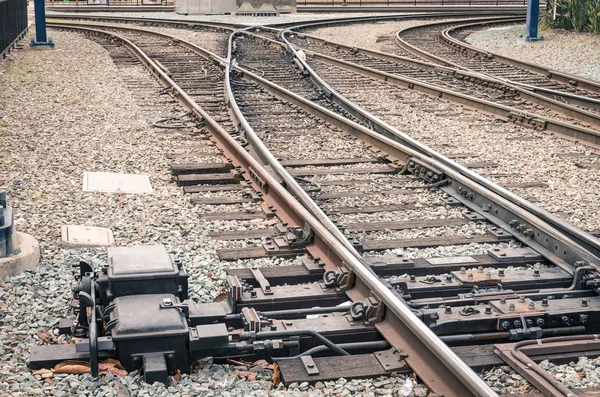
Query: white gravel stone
(561, 50)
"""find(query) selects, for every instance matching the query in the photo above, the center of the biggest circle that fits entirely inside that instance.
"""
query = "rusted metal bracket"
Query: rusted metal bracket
(391, 360)
(309, 365)
(527, 120)
(264, 186)
(424, 171)
(370, 310)
(264, 284)
(342, 279)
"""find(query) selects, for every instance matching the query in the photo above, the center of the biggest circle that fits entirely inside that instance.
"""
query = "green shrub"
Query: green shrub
(581, 15)
(594, 16)
(562, 20)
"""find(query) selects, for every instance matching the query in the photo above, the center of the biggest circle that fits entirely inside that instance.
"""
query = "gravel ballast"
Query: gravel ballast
(569, 52)
(521, 154)
(60, 120)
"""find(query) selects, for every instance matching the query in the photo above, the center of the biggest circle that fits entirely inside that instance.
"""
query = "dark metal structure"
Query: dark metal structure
(13, 23)
(7, 244)
(533, 15)
(41, 38)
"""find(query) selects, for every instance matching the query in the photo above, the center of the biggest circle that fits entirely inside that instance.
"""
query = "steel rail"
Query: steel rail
(566, 78)
(389, 325)
(446, 370)
(560, 77)
(585, 135)
(403, 147)
(185, 43)
(571, 80)
(481, 8)
(423, 338)
(288, 96)
(362, 19)
(556, 99)
(214, 25)
(271, 161)
(547, 99)
(433, 58)
(581, 237)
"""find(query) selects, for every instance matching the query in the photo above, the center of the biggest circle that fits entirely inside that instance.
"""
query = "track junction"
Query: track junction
(278, 110)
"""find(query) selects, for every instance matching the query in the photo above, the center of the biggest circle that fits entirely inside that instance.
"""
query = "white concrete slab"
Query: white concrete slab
(108, 182)
(74, 236)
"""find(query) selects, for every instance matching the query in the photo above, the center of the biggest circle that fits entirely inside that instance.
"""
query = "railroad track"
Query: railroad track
(441, 43)
(341, 209)
(479, 92)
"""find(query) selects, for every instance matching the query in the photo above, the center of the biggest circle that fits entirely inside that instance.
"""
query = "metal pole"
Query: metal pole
(531, 26)
(40, 26)
(40, 20)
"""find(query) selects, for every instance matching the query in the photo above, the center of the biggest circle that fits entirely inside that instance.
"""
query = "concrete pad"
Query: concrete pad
(74, 236)
(28, 258)
(108, 182)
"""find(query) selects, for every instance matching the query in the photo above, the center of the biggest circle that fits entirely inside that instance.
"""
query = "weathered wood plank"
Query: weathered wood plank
(202, 179)
(200, 168)
(337, 171)
(588, 165)
(396, 178)
(482, 164)
(233, 216)
(336, 195)
(214, 188)
(372, 209)
(378, 245)
(243, 234)
(462, 155)
(233, 254)
(222, 200)
(401, 225)
(327, 162)
(523, 185)
(359, 366)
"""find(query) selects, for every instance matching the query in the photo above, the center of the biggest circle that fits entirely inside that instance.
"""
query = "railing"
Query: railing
(13, 23)
(111, 3)
(408, 2)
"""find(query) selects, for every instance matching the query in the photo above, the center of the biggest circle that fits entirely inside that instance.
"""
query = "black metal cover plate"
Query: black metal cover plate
(142, 317)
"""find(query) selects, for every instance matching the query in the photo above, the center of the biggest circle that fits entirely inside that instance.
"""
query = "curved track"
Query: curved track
(487, 94)
(436, 42)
